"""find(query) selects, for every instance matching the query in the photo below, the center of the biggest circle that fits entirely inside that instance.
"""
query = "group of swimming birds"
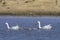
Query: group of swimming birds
(46, 27)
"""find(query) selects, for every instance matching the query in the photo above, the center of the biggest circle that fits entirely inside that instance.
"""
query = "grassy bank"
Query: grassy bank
(30, 7)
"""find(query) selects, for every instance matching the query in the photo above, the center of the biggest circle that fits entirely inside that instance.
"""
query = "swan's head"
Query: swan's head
(38, 21)
(6, 23)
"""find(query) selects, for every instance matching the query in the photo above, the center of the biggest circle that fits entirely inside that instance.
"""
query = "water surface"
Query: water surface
(29, 22)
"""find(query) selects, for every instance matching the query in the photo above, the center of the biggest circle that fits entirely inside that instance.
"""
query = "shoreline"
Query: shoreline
(27, 16)
(31, 14)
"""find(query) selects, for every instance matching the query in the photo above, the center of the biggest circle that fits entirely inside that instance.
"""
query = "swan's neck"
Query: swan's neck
(8, 26)
(39, 24)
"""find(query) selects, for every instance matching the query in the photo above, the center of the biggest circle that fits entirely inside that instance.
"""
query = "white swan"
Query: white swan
(44, 27)
(13, 27)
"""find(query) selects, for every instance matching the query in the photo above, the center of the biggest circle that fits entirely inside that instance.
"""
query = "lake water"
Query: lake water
(29, 22)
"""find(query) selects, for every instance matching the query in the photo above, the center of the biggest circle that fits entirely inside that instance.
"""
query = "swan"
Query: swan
(13, 27)
(44, 27)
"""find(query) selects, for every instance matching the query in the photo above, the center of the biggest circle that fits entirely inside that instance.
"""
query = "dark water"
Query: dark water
(29, 22)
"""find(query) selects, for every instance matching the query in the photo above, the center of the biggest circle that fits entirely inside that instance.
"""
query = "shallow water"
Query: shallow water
(29, 22)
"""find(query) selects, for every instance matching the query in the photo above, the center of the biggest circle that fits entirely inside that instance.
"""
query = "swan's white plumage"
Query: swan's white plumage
(13, 27)
(47, 27)
(44, 27)
(39, 24)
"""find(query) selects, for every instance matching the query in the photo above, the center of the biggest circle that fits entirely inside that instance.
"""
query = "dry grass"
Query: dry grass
(29, 7)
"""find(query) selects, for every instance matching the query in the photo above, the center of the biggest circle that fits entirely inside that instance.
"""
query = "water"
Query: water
(29, 22)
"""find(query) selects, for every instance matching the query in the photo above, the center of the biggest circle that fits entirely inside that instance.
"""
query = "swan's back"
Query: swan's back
(15, 27)
(47, 27)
